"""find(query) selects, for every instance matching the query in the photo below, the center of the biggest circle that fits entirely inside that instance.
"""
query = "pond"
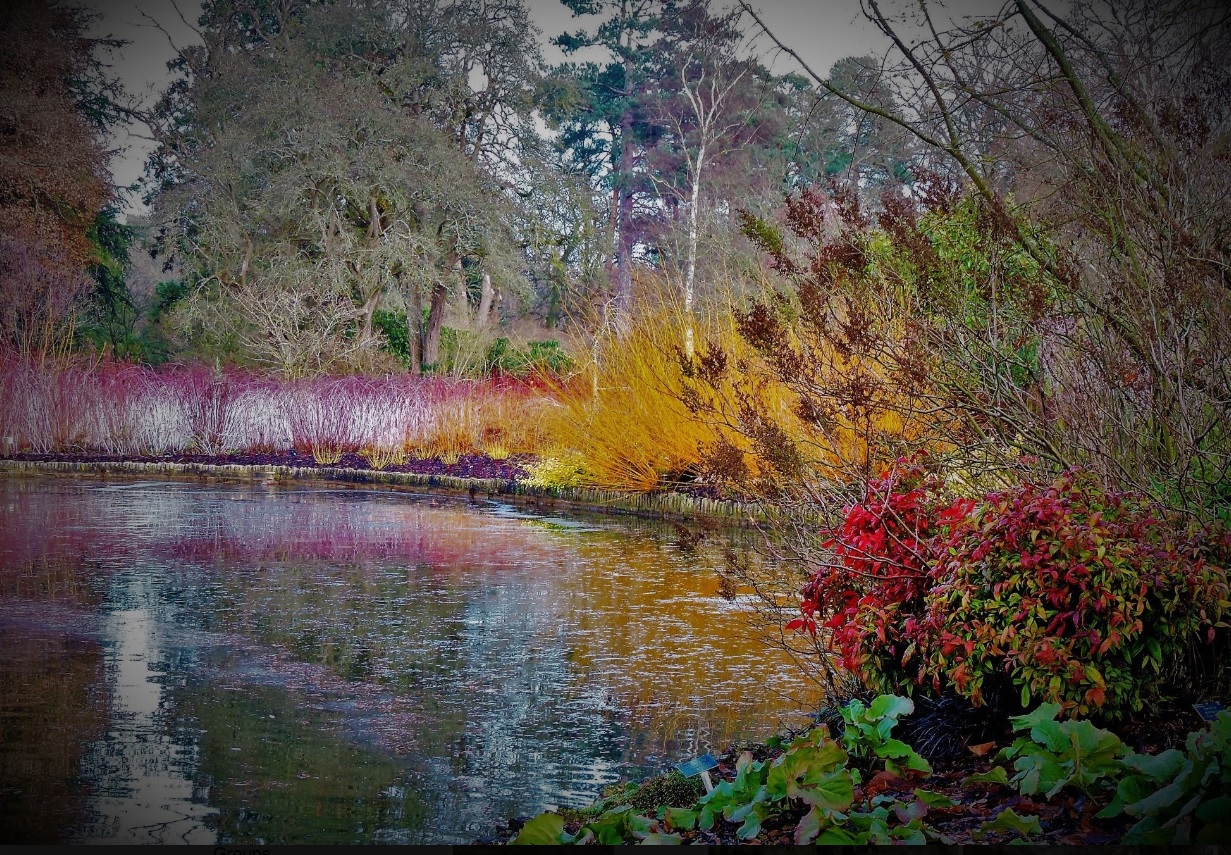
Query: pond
(182, 662)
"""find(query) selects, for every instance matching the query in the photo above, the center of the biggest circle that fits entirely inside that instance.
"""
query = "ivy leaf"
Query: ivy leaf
(544, 830)
(1008, 820)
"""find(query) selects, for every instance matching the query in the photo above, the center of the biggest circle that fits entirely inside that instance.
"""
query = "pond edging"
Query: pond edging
(664, 506)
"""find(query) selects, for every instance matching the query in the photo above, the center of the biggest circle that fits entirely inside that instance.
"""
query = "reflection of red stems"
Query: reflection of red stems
(117, 408)
(292, 530)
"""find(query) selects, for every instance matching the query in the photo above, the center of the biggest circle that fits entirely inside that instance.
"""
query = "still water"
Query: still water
(260, 665)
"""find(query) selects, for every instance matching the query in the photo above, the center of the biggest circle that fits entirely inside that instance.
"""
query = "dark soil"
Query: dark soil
(467, 466)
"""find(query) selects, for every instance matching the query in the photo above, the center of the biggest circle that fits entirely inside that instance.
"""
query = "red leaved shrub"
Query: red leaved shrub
(1068, 592)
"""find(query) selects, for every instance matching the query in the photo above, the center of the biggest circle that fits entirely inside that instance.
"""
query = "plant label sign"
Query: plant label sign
(1209, 710)
(699, 766)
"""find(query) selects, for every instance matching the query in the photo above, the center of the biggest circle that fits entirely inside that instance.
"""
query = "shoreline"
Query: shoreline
(676, 507)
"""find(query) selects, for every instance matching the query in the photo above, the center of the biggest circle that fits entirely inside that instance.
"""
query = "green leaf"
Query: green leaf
(705, 821)
(894, 748)
(994, 775)
(834, 791)
(1148, 833)
(1007, 820)
(908, 835)
(1044, 713)
(1155, 804)
(640, 825)
(1050, 735)
(1216, 835)
(891, 706)
(935, 800)
(658, 838)
(544, 830)
(751, 827)
(1160, 767)
(1039, 773)
(680, 818)
(809, 827)
(1131, 789)
(836, 835)
(1215, 810)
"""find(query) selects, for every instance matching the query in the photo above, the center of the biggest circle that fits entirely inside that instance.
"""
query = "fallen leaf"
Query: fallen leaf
(982, 749)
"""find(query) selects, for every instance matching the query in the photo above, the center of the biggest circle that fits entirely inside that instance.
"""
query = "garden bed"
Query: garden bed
(947, 804)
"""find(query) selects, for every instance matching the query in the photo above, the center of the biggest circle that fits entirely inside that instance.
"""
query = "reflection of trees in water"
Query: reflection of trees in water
(273, 768)
(535, 660)
(51, 709)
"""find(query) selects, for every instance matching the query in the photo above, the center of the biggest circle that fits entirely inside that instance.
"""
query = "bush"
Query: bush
(1085, 597)
(1070, 593)
(873, 599)
(537, 357)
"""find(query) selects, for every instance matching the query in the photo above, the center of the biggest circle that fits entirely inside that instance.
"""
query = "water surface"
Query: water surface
(227, 664)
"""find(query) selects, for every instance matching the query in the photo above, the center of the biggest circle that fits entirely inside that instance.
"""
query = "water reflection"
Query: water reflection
(337, 666)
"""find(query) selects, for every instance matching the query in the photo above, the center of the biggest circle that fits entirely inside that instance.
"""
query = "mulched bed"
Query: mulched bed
(467, 466)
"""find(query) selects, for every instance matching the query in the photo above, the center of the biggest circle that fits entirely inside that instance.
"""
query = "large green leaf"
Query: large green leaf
(658, 838)
(935, 800)
(544, 830)
(891, 706)
(751, 827)
(1131, 789)
(1158, 767)
(994, 775)
(835, 835)
(1215, 810)
(1038, 773)
(834, 792)
(1216, 835)
(809, 826)
(680, 818)
(1008, 820)
(1044, 713)
(1155, 804)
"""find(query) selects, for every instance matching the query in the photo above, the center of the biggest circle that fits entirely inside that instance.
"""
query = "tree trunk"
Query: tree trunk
(369, 310)
(414, 331)
(435, 320)
(624, 255)
(486, 298)
(691, 273)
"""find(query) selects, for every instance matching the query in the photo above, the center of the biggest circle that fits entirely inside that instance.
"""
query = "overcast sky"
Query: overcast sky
(822, 31)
